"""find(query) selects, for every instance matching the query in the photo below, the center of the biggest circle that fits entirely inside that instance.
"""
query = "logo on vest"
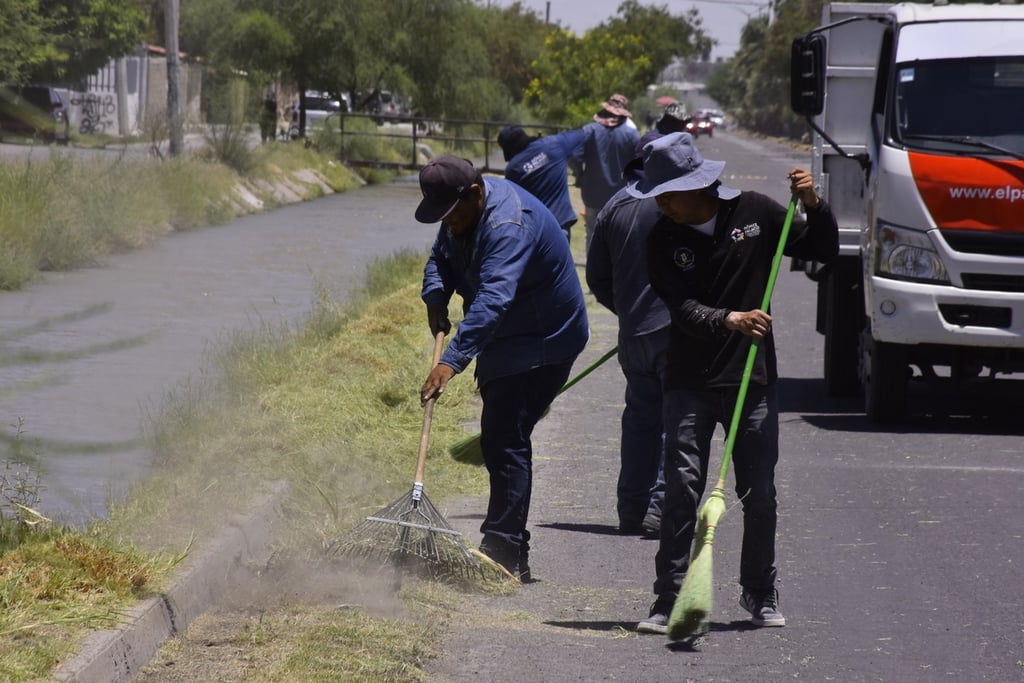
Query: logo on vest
(684, 258)
(740, 234)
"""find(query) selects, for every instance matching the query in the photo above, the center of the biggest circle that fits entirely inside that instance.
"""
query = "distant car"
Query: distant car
(387, 106)
(717, 117)
(34, 111)
(319, 107)
(700, 124)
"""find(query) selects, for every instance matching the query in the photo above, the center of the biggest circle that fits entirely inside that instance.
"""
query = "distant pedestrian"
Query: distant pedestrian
(673, 120)
(616, 273)
(525, 321)
(709, 256)
(268, 116)
(608, 146)
(540, 164)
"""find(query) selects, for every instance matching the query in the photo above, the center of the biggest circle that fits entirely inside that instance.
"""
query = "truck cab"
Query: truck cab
(919, 149)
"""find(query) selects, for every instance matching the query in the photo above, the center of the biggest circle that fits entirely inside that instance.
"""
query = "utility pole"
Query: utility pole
(173, 73)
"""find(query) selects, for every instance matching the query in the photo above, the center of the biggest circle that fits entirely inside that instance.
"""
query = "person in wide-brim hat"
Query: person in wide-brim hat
(709, 257)
(672, 163)
(614, 111)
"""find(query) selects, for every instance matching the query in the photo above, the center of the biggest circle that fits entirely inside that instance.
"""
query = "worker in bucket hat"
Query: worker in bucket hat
(709, 257)
(609, 144)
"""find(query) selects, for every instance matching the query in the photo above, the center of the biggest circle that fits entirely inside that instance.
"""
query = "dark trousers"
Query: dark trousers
(691, 417)
(512, 406)
(641, 485)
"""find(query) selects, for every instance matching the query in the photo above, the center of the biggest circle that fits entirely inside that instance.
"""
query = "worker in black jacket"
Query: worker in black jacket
(709, 258)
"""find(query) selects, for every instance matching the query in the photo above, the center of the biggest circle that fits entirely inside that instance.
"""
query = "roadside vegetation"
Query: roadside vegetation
(326, 412)
(61, 213)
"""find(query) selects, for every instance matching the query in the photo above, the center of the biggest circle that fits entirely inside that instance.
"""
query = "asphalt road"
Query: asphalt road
(900, 551)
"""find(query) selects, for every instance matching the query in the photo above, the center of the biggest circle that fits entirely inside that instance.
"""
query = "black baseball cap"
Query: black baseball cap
(443, 182)
(513, 140)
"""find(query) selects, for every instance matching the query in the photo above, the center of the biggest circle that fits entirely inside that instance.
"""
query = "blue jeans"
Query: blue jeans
(691, 417)
(512, 406)
(641, 485)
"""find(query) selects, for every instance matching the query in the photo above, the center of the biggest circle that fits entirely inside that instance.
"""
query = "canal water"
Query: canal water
(77, 420)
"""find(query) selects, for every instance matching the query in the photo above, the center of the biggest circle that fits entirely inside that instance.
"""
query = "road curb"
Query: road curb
(116, 655)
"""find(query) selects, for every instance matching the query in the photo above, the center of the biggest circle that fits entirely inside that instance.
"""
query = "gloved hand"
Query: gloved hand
(437, 319)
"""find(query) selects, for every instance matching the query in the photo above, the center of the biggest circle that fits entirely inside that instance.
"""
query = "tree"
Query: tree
(456, 77)
(23, 40)
(754, 84)
(625, 54)
(514, 37)
(60, 42)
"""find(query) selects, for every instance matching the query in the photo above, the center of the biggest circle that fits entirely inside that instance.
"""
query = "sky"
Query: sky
(723, 19)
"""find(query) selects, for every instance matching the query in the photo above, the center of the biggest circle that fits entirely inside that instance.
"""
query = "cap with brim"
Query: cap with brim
(675, 112)
(443, 182)
(672, 163)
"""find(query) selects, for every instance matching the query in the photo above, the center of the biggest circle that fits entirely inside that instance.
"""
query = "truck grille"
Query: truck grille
(983, 242)
(995, 283)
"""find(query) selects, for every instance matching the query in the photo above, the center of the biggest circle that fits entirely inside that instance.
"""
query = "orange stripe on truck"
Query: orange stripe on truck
(971, 194)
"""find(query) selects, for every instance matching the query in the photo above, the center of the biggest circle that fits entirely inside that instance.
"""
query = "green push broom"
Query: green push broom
(692, 608)
(467, 450)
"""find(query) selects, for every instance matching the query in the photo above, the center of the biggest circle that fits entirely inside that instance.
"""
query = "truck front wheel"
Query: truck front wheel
(884, 374)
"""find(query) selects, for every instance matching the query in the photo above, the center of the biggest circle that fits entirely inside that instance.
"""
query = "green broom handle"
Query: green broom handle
(766, 301)
(589, 369)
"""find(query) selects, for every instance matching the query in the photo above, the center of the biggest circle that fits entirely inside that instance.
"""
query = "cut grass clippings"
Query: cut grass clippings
(56, 587)
(331, 409)
(312, 643)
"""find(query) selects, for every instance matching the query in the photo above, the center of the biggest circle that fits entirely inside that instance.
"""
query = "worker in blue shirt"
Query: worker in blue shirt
(540, 164)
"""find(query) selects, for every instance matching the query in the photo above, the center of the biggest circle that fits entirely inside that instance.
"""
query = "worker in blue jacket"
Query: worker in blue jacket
(524, 321)
(610, 142)
(540, 164)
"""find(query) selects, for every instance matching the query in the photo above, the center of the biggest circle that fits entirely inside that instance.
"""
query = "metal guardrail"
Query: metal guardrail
(419, 132)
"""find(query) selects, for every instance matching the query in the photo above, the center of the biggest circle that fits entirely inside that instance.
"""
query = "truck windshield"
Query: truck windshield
(966, 106)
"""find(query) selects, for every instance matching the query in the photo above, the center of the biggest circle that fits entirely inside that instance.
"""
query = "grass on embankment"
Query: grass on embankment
(331, 409)
(61, 213)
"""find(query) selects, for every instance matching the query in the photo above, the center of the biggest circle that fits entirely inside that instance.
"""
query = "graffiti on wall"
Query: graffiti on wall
(97, 113)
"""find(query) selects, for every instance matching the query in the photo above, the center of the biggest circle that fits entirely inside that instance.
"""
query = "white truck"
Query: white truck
(918, 119)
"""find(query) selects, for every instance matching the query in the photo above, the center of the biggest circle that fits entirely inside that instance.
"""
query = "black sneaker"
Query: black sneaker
(630, 528)
(512, 566)
(657, 622)
(763, 607)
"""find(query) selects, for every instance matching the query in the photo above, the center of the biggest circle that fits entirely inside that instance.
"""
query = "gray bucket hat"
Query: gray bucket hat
(672, 163)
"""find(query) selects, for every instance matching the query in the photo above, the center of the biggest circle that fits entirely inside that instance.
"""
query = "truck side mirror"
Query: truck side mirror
(807, 75)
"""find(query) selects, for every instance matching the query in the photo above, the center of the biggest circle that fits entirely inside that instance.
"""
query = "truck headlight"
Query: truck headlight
(907, 255)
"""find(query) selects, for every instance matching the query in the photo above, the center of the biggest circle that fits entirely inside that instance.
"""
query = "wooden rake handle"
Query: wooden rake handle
(428, 413)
